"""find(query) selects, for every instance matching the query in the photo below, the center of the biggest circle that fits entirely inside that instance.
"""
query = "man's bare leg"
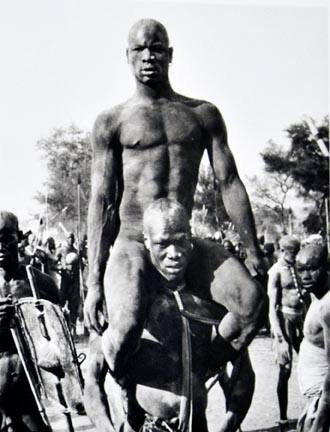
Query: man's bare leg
(126, 300)
(95, 397)
(282, 390)
(238, 393)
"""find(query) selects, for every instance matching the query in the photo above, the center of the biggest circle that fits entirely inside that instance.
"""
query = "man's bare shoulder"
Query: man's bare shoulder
(107, 124)
(202, 107)
(275, 269)
(324, 310)
(109, 119)
(208, 114)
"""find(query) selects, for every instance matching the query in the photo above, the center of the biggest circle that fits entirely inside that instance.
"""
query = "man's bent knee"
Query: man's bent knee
(285, 371)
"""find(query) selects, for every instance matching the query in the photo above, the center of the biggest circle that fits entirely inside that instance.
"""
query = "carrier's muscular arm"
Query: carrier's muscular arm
(102, 212)
(275, 295)
(234, 195)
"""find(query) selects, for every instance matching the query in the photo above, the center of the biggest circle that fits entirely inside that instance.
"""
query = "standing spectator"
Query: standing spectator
(269, 250)
(286, 315)
(68, 247)
(314, 356)
(70, 288)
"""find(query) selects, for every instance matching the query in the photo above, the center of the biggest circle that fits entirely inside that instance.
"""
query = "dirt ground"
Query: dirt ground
(263, 413)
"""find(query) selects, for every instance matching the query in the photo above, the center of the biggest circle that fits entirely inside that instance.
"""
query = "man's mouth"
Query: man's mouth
(149, 71)
(174, 268)
(307, 284)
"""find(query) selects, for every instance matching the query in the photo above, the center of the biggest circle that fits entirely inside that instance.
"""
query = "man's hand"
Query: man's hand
(93, 311)
(284, 356)
(6, 311)
(255, 263)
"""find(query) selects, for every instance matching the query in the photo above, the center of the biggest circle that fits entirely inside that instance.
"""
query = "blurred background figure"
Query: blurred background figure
(69, 246)
(240, 252)
(70, 288)
(269, 254)
(227, 244)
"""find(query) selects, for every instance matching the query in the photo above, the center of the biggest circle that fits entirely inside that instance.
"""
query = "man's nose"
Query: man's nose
(305, 274)
(147, 55)
(173, 252)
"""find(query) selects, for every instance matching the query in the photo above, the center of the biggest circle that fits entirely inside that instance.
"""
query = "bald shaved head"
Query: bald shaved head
(149, 54)
(289, 242)
(167, 237)
(311, 263)
(150, 26)
(314, 254)
(169, 212)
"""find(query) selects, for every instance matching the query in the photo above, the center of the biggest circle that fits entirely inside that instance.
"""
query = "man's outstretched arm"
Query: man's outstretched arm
(102, 214)
(233, 192)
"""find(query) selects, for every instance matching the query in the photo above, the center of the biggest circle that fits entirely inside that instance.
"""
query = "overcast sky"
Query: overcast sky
(263, 63)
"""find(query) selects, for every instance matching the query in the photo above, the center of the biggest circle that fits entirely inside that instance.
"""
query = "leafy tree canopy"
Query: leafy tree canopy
(67, 153)
(304, 161)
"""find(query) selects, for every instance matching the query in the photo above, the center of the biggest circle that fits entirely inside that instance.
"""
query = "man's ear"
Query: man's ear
(20, 236)
(127, 55)
(170, 54)
(146, 241)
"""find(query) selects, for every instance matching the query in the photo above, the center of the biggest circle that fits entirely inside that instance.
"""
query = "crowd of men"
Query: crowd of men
(65, 262)
(166, 311)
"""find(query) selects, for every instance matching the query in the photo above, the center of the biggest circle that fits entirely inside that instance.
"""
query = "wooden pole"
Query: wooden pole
(81, 281)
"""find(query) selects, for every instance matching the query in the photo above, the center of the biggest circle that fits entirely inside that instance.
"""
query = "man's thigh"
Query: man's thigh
(125, 285)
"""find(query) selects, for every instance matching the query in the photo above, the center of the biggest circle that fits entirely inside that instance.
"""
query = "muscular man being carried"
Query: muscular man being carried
(147, 148)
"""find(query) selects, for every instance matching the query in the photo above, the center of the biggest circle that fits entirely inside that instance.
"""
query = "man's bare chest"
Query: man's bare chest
(286, 278)
(145, 128)
(313, 329)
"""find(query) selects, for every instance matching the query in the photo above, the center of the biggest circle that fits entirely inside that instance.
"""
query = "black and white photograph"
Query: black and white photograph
(164, 216)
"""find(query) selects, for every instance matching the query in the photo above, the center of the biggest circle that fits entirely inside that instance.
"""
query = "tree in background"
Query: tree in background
(269, 199)
(306, 163)
(67, 153)
(209, 212)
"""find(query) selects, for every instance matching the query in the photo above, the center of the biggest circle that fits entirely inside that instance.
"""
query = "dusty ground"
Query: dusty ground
(263, 412)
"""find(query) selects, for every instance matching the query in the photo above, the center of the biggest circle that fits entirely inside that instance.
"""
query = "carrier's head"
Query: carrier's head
(289, 246)
(311, 264)
(167, 237)
(9, 238)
